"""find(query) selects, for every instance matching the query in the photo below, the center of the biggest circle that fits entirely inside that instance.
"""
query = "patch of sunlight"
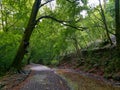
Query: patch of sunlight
(39, 68)
(1, 30)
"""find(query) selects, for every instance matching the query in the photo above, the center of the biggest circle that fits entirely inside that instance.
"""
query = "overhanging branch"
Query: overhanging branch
(63, 22)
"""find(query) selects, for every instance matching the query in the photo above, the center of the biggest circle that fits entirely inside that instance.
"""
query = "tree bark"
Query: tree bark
(117, 20)
(25, 39)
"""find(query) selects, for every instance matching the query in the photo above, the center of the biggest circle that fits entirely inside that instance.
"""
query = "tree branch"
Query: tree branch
(61, 21)
(45, 3)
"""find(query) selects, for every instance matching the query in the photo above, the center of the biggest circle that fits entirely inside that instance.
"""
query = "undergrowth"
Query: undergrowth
(102, 62)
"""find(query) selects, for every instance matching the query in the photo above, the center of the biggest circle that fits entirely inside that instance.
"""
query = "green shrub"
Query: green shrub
(8, 47)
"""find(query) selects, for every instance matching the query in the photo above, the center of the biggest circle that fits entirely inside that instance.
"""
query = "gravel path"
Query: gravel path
(42, 78)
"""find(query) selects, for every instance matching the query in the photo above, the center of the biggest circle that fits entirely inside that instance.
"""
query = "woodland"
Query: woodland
(52, 32)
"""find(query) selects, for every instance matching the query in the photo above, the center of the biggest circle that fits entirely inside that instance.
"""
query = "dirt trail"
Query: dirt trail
(42, 78)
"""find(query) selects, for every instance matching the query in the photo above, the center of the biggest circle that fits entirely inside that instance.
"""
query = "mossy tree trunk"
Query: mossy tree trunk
(25, 39)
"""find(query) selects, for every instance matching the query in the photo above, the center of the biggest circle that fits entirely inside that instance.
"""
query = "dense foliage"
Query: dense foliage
(52, 39)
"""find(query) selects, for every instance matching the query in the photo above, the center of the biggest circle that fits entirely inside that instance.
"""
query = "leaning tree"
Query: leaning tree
(33, 21)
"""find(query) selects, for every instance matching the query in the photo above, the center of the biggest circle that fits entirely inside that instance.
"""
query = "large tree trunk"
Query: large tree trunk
(25, 40)
(117, 19)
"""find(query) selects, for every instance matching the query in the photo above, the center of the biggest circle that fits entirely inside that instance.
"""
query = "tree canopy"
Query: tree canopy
(42, 31)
